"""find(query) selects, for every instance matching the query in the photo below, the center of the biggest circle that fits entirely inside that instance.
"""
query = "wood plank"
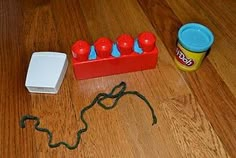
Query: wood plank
(191, 130)
(212, 93)
(221, 55)
(181, 101)
(14, 100)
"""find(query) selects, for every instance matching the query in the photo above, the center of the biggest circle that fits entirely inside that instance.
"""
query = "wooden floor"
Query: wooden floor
(196, 111)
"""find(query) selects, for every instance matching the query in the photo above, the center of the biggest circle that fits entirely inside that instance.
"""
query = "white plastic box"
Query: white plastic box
(46, 72)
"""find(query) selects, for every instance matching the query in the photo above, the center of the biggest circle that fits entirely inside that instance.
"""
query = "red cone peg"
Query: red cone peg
(125, 44)
(147, 41)
(80, 50)
(103, 47)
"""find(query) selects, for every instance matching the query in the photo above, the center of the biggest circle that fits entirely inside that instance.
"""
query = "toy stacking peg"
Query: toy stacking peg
(81, 50)
(125, 44)
(147, 41)
(103, 47)
(106, 57)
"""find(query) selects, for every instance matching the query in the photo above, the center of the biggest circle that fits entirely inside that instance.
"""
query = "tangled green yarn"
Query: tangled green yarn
(98, 99)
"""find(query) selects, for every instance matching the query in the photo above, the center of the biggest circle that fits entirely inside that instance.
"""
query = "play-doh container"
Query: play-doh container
(194, 41)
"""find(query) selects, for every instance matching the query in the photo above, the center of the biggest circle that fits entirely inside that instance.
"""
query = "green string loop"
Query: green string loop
(99, 100)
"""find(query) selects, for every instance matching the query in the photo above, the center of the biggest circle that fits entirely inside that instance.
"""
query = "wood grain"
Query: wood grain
(192, 132)
(224, 44)
(212, 93)
(196, 111)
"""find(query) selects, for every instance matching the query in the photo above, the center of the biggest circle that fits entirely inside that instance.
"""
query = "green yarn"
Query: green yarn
(98, 99)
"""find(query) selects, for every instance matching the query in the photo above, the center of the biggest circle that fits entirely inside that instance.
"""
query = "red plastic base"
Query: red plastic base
(111, 65)
(105, 65)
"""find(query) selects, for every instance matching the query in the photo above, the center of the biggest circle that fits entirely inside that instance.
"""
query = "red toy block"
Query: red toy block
(108, 58)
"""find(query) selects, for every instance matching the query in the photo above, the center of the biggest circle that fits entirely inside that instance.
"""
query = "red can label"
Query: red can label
(182, 58)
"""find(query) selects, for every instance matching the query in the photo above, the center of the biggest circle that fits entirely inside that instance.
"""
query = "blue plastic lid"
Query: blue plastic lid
(195, 37)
